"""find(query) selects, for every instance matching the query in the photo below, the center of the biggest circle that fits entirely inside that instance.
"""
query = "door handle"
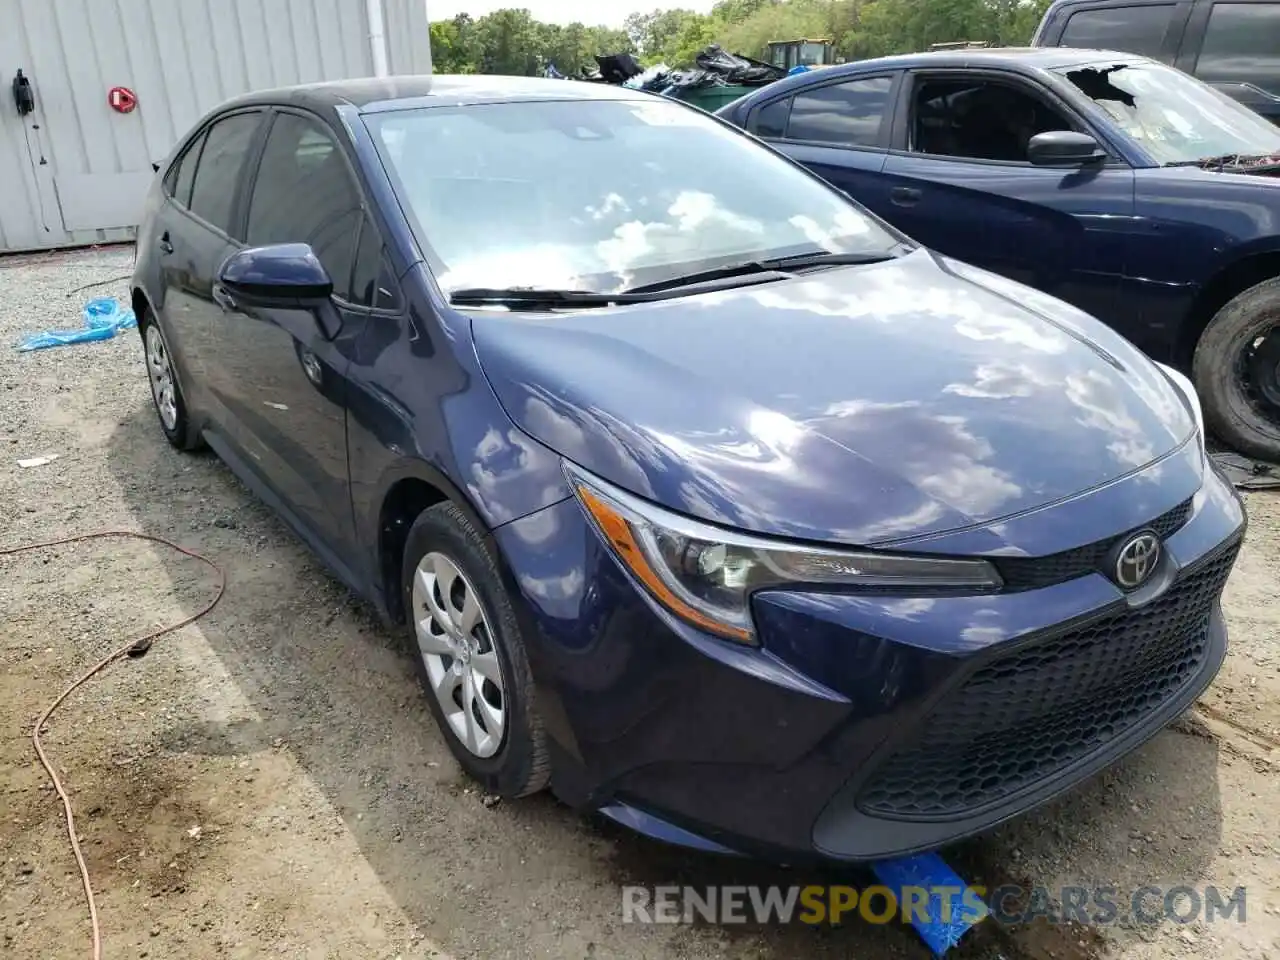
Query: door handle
(223, 298)
(164, 244)
(905, 196)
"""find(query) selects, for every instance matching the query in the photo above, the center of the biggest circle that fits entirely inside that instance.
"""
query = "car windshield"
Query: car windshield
(1175, 117)
(603, 195)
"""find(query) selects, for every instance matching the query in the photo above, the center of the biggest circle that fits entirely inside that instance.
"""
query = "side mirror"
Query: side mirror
(281, 276)
(1064, 148)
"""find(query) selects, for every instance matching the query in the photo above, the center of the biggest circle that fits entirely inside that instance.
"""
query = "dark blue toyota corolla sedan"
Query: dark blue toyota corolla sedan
(707, 498)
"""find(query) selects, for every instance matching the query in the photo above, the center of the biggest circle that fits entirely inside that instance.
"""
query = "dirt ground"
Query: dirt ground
(268, 782)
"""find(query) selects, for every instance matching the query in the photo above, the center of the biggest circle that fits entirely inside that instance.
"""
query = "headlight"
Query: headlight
(705, 574)
(1188, 391)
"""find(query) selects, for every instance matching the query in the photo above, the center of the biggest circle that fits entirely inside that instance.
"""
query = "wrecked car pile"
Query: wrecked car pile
(717, 78)
(715, 68)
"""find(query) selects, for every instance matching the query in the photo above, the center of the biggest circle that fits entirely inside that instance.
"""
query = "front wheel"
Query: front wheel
(470, 654)
(1236, 370)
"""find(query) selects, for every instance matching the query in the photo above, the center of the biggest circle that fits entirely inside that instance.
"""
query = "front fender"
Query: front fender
(419, 409)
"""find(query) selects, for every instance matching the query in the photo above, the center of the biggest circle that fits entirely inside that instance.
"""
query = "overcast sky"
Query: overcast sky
(609, 13)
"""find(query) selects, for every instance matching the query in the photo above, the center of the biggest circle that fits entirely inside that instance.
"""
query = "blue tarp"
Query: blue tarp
(928, 872)
(103, 316)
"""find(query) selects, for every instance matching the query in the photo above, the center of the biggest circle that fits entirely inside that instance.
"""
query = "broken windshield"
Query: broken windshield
(1175, 117)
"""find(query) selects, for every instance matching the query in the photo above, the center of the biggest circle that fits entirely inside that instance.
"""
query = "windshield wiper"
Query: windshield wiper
(537, 298)
(533, 298)
(777, 265)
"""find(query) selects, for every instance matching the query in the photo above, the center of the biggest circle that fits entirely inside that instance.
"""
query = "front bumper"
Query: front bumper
(867, 726)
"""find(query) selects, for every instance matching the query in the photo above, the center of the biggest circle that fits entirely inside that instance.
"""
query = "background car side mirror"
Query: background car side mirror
(281, 276)
(1064, 148)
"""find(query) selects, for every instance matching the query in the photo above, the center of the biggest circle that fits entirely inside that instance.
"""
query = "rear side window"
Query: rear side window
(226, 146)
(1242, 45)
(183, 173)
(1137, 29)
(304, 194)
(846, 114)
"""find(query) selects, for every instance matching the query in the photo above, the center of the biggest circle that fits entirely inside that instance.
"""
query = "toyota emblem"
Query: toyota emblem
(1137, 559)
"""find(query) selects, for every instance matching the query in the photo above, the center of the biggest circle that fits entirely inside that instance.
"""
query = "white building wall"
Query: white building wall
(75, 171)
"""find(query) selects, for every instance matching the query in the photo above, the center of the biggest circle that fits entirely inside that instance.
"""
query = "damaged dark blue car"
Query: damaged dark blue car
(705, 497)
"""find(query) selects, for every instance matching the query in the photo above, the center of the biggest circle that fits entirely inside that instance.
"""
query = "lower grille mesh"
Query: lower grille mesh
(1027, 715)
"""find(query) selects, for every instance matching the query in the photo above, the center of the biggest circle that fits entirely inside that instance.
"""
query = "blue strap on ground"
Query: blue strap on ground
(103, 316)
(928, 872)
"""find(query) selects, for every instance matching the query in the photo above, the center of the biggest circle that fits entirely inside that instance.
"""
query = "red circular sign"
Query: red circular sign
(122, 99)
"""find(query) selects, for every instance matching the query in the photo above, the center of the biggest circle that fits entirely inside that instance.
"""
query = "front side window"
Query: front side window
(304, 194)
(1176, 118)
(1137, 29)
(846, 114)
(217, 176)
(602, 195)
(373, 284)
(978, 119)
(1242, 45)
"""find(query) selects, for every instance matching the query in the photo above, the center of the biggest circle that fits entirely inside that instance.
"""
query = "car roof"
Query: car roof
(374, 94)
(1024, 59)
(1038, 58)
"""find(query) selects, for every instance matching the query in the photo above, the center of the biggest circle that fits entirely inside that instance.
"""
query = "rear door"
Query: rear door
(959, 181)
(192, 240)
(1235, 47)
(839, 129)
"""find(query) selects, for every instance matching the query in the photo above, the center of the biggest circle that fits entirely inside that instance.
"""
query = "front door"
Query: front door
(288, 380)
(960, 182)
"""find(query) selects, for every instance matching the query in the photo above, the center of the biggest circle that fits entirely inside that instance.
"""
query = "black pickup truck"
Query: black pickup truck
(1233, 45)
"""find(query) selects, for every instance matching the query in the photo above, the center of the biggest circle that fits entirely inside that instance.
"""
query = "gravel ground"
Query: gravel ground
(268, 782)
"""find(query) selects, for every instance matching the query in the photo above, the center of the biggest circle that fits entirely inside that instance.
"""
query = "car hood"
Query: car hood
(856, 405)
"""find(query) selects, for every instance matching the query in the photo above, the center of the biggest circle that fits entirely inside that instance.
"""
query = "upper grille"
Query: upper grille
(1030, 573)
(1032, 712)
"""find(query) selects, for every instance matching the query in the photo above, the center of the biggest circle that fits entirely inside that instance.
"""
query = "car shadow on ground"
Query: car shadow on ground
(334, 688)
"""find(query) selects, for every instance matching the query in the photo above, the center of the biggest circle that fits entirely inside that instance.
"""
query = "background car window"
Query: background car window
(849, 114)
(771, 119)
(304, 194)
(183, 173)
(979, 120)
(1137, 29)
(217, 176)
(1242, 45)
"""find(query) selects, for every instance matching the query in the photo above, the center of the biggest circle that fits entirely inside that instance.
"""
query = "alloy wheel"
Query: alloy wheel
(455, 642)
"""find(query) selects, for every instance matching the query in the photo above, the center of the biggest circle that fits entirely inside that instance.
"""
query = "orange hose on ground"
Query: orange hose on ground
(141, 643)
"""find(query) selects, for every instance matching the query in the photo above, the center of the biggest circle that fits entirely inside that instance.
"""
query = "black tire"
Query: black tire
(182, 434)
(1228, 411)
(521, 765)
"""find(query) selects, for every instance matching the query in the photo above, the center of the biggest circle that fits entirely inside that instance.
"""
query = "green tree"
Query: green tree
(455, 46)
(511, 41)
